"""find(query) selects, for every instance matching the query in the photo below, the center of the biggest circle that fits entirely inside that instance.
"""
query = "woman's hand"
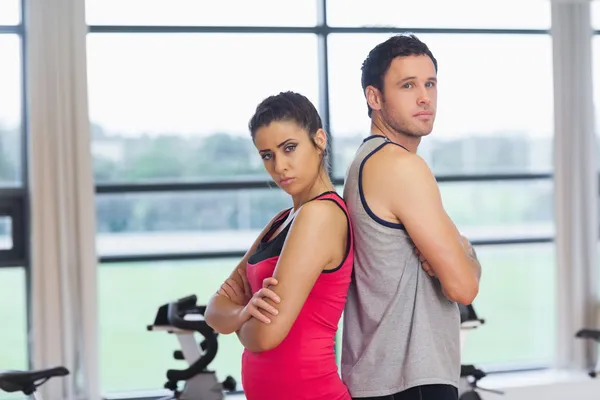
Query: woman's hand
(236, 293)
(257, 307)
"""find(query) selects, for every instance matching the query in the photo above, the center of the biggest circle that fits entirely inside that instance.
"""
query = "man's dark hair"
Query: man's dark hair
(381, 56)
(292, 107)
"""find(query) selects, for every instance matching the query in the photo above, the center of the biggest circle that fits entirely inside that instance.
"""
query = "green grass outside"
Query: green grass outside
(516, 299)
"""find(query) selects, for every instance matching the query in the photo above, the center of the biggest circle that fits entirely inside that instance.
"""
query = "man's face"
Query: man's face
(409, 95)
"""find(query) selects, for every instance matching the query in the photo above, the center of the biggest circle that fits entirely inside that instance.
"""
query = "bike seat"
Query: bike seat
(470, 370)
(589, 334)
(26, 381)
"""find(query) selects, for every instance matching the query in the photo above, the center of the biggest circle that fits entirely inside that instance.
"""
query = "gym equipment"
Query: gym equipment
(184, 318)
(590, 334)
(27, 382)
(469, 374)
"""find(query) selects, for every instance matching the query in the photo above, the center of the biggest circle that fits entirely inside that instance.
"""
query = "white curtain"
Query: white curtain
(63, 269)
(576, 180)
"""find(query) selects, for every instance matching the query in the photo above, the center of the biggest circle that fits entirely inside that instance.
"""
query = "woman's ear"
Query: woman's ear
(321, 139)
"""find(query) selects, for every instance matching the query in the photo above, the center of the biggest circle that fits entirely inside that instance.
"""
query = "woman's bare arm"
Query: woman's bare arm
(222, 314)
(317, 228)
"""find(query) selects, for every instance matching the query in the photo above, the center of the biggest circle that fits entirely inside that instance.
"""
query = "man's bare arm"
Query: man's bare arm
(473, 255)
(415, 200)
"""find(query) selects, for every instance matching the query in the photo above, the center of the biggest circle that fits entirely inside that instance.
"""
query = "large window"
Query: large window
(466, 14)
(11, 138)
(6, 242)
(596, 77)
(130, 295)
(201, 13)
(13, 313)
(10, 111)
(176, 106)
(483, 126)
(515, 298)
(595, 11)
(184, 222)
(595, 5)
(171, 135)
(182, 191)
(488, 210)
(596, 14)
(13, 186)
(10, 12)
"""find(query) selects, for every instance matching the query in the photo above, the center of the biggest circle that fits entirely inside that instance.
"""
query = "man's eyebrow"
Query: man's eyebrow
(408, 78)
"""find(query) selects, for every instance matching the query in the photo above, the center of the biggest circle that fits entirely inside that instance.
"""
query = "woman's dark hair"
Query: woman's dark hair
(292, 107)
(381, 56)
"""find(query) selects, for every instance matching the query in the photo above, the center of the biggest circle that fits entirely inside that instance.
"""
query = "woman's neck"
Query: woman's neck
(321, 185)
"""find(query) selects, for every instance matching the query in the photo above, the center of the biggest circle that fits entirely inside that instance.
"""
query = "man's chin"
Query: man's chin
(424, 131)
(419, 134)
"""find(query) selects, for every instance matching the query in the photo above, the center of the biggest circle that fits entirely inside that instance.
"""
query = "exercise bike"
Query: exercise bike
(590, 334)
(469, 374)
(28, 382)
(184, 318)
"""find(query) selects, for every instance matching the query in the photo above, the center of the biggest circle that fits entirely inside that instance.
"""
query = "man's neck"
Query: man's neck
(411, 143)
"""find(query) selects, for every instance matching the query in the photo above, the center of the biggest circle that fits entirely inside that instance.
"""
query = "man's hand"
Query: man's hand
(470, 250)
(468, 247)
(426, 266)
(257, 305)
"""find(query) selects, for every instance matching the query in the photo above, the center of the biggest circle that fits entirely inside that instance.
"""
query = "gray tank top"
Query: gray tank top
(399, 330)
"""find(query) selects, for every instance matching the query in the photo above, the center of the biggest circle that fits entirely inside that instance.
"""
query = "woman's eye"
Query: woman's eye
(266, 157)
(291, 147)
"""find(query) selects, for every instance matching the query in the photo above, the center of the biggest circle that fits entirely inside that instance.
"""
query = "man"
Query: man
(401, 337)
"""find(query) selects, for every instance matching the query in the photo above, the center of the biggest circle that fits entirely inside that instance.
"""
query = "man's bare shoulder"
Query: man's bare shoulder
(394, 163)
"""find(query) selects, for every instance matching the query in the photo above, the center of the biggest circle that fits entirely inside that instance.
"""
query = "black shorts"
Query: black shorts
(425, 392)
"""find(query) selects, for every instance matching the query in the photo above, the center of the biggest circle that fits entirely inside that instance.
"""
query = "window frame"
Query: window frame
(322, 30)
(13, 200)
(12, 205)
(199, 186)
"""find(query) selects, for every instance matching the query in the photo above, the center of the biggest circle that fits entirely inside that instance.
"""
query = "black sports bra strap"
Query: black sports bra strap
(276, 224)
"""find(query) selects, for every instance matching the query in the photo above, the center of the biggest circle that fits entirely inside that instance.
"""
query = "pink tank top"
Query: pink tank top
(303, 366)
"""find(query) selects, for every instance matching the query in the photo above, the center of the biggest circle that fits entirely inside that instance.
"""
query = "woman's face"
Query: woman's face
(289, 155)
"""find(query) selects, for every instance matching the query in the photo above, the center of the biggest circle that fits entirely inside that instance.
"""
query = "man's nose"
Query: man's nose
(423, 98)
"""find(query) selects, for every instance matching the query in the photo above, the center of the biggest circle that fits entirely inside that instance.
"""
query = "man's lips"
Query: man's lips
(423, 115)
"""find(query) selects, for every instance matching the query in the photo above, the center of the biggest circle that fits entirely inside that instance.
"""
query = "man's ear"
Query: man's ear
(374, 98)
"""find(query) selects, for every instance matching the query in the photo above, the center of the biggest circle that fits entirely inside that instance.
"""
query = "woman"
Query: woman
(285, 298)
